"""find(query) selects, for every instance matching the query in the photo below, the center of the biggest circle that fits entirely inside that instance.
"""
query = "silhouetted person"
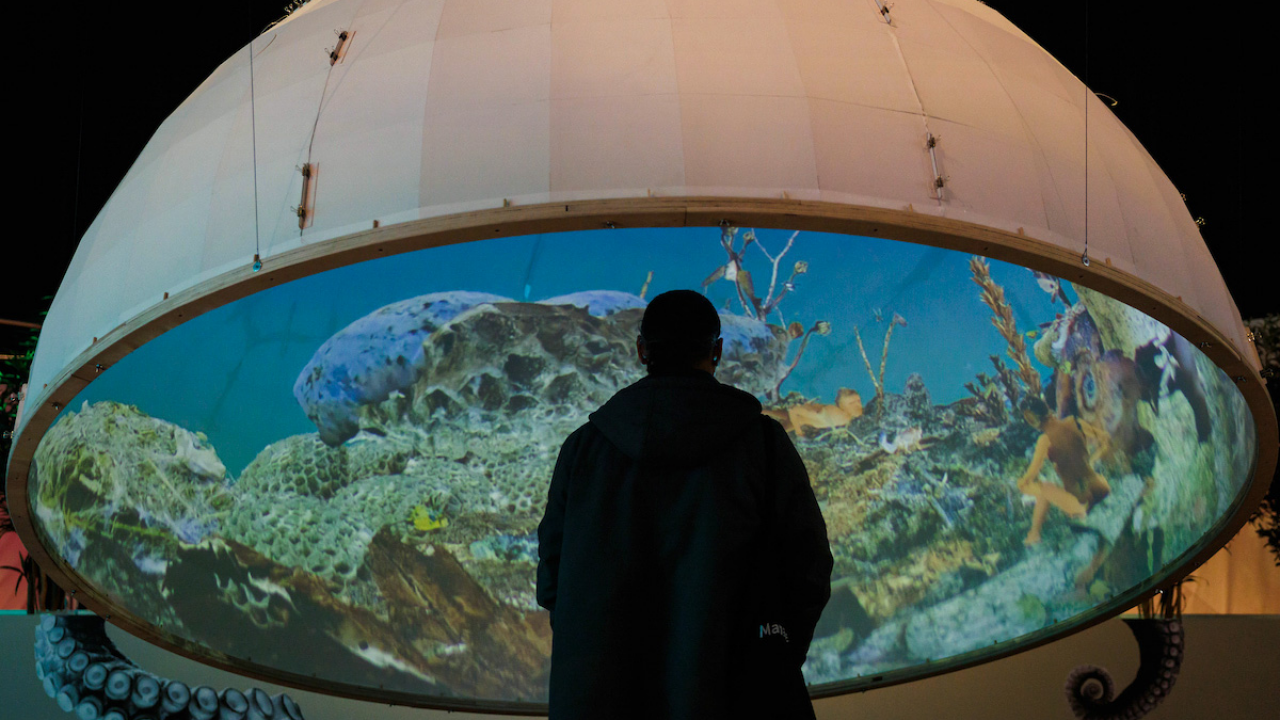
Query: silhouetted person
(673, 515)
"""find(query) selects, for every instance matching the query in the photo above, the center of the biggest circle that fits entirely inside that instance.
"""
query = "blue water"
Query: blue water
(230, 373)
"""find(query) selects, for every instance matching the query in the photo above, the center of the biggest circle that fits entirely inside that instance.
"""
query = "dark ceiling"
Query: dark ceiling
(93, 98)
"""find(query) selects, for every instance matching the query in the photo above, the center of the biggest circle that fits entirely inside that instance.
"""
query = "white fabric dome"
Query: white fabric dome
(439, 107)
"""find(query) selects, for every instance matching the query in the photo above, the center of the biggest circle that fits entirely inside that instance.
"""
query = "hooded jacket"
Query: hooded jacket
(670, 515)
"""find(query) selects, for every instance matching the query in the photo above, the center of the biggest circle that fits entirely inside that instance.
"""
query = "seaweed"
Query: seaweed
(796, 330)
(884, 356)
(996, 395)
(1002, 318)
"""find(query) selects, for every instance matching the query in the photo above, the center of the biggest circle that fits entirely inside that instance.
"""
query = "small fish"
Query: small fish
(878, 314)
(428, 520)
(1051, 285)
(1033, 334)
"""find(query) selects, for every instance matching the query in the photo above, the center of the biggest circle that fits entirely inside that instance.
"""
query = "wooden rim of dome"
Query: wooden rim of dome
(646, 212)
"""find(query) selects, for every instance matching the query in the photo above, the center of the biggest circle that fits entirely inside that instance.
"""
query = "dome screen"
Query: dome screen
(341, 478)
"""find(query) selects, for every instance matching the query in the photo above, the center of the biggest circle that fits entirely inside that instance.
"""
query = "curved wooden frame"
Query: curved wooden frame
(901, 225)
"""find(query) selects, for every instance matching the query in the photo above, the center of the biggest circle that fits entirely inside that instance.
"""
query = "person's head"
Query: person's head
(1034, 411)
(680, 330)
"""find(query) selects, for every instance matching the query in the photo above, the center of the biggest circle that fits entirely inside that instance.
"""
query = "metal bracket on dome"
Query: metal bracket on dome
(938, 182)
(84, 672)
(884, 10)
(336, 53)
(305, 209)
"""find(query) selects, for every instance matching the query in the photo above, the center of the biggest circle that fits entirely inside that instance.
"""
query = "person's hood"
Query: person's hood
(680, 419)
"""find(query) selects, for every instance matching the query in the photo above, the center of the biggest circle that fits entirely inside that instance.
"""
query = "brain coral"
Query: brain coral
(372, 357)
(326, 532)
(112, 469)
(599, 303)
(503, 358)
(297, 465)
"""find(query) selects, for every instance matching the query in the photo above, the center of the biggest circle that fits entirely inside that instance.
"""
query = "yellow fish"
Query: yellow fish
(428, 520)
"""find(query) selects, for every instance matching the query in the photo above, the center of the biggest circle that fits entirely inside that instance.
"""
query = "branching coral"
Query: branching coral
(757, 308)
(997, 394)
(796, 330)
(878, 382)
(733, 271)
(1002, 318)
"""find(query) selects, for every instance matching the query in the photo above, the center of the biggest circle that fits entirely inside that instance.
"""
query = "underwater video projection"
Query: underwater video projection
(342, 477)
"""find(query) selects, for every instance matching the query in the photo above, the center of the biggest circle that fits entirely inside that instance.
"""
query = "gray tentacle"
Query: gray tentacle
(1090, 689)
(84, 672)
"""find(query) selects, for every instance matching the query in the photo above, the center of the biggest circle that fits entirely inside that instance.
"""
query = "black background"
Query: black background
(95, 80)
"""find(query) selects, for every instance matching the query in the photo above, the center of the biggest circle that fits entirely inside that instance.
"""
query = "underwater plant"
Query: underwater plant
(755, 307)
(644, 289)
(1002, 318)
(884, 356)
(733, 271)
(997, 395)
(796, 330)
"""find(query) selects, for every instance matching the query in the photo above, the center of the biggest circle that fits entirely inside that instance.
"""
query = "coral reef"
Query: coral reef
(437, 631)
(372, 357)
(754, 306)
(599, 303)
(296, 465)
(758, 309)
(116, 491)
(505, 358)
(323, 530)
(111, 464)
(395, 546)
(84, 672)
(297, 621)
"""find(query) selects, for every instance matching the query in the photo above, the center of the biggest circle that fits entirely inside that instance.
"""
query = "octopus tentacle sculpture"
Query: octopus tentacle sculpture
(85, 673)
(1091, 691)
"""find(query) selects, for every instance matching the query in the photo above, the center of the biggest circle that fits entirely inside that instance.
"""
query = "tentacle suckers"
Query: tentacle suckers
(1091, 691)
(84, 672)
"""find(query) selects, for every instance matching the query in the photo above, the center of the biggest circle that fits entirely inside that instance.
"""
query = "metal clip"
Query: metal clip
(931, 143)
(304, 210)
(336, 53)
(884, 10)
